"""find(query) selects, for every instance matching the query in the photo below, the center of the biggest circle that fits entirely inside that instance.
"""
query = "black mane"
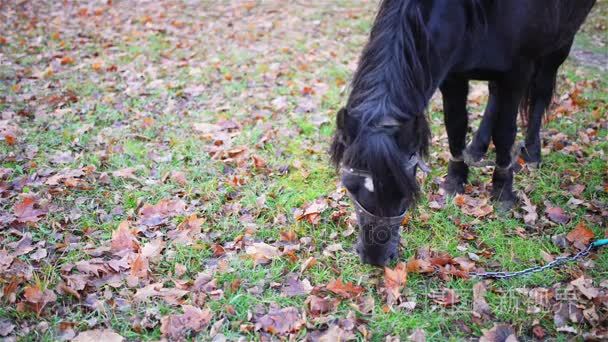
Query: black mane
(393, 80)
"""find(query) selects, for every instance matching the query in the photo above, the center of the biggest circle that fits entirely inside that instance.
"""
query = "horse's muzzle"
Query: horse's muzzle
(378, 235)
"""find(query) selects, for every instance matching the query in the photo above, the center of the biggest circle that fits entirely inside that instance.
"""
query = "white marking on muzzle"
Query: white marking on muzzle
(369, 184)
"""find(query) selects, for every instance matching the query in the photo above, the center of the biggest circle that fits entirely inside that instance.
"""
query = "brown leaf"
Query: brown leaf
(123, 239)
(105, 335)
(128, 172)
(179, 177)
(178, 326)
(539, 332)
(153, 215)
(481, 309)
(531, 215)
(499, 333)
(187, 231)
(345, 290)
(557, 215)
(139, 266)
(417, 335)
(312, 212)
(262, 253)
(319, 306)
(152, 250)
(289, 236)
(25, 212)
(581, 235)
(295, 287)
(446, 297)
(394, 280)
(478, 207)
(419, 266)
(170, 295)
(280, 321)
(37, 298)
(258, 162)
(585, 286)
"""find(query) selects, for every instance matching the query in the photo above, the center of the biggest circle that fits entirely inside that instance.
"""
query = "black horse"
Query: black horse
(417, 46)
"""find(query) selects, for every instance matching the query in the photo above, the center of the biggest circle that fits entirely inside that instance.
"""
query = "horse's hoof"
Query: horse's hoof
(452, 187)
(504, 202)
(504, 206)
(533, 165)
(472, 156)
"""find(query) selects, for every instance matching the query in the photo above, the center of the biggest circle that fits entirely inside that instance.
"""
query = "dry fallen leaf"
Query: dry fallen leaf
(445, 297)
(123, 239)
(178, 326)
(499, 333)
(557, 215)
(394, 280)
(581, 236)
(262, 253)
(280, 321)
(345, 290)
(481, 308)
(478, 207)
(153, 215)
(96, 335)
(26, 212)
(295, 287)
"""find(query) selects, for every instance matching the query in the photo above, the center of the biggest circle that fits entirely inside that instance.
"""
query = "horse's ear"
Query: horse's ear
(340, 118)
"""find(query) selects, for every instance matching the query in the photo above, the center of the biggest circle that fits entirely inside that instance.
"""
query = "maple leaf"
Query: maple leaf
(25, 212)
(557, 215)
(580, 235)
(139, 266)
(37, 299)
(262, 253)
(319, 306)
(105, 335)
(481, 308)
(187, 230)
(499, 333)
(530, 216)
(280, 321)
(295, 287)
(178, 326)
(394, 280)
(153, 215)
(345, 290)
(179, 177)
(152, 250)
(123, 239)
(478, 207)
(312, 212)
(419, 266)
(445, 297)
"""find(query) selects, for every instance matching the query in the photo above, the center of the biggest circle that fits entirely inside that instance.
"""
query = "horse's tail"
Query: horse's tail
(540, 90)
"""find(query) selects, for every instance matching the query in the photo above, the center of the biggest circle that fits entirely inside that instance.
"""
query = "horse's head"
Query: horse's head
(378, 162)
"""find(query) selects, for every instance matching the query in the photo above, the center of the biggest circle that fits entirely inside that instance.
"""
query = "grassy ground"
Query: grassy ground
(229, 108)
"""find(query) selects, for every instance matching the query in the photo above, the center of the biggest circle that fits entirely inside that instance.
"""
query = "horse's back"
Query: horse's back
(486, 36)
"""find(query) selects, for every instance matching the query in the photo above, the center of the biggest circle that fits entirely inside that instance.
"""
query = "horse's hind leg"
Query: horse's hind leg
(478, 147)
(454, 92)
(539, 95)
(508, 95)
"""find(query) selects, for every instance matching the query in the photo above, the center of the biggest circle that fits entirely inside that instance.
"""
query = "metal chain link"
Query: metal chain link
(557, 262)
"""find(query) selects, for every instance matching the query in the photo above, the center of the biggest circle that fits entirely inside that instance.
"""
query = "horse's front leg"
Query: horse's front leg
(504, 130)
(478, 147)
(454, 92)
